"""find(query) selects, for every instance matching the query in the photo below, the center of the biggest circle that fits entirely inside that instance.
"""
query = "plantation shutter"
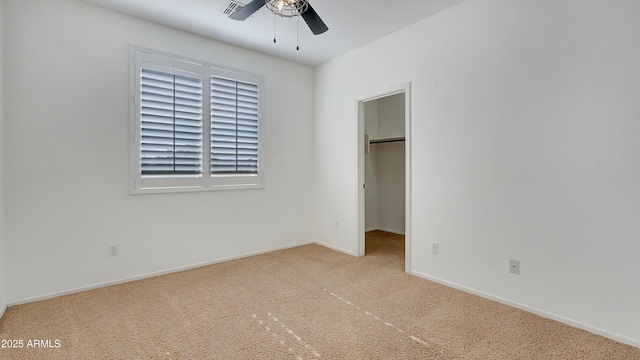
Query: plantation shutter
(234, 126)
(171, 123)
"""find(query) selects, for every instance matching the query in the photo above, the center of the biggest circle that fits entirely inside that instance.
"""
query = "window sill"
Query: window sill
(187, 189)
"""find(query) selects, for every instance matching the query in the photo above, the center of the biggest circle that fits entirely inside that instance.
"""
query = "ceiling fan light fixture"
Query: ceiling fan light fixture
(287, 8)
(284, 8)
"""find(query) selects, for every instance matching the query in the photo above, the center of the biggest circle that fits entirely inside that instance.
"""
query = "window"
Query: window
(195, 126)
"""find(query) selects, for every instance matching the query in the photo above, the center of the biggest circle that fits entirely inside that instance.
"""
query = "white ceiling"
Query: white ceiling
(352, 23)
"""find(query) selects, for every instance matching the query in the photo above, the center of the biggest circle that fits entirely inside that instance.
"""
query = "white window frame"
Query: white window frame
(138, 184)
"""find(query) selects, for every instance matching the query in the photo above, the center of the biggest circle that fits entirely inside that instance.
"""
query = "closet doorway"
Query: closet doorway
(384, 191)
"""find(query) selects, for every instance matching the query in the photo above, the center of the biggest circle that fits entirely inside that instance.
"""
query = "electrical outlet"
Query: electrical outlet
(113, 250)
(435, 247)
(514, 266)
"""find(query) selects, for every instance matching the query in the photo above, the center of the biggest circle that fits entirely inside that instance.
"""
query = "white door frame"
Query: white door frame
(360, 195)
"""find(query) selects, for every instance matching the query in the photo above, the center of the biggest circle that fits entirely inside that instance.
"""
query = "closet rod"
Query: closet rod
(389, 140)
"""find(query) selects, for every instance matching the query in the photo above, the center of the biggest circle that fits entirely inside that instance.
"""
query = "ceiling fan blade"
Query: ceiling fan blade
(247, 10)
(312, 19)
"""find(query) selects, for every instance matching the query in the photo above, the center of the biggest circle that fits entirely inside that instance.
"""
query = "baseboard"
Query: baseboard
(545, 314)
(386, 230)
(2, 310)
(149, 275)
(336, 248)
(399, 232)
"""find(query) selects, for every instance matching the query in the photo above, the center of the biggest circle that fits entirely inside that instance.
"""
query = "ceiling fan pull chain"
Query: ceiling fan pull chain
(274, 28)
(297, 33)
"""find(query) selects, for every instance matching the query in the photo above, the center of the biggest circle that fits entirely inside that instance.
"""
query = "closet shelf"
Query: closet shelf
(387, 140)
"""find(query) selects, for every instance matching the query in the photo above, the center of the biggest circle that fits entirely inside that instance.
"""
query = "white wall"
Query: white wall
(66, 170)
(391, 116)
(3, 286)
(524, 146)
(390, 166)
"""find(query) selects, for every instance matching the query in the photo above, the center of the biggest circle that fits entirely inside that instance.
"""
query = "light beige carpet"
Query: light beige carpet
(308, 302)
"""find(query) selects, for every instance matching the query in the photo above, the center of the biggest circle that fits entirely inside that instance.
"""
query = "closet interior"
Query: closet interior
(385, 164)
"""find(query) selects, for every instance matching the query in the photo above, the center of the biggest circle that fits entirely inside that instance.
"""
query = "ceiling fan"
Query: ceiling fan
(286, 8)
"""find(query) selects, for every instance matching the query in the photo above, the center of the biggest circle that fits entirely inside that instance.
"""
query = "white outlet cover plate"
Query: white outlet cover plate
(514, 266)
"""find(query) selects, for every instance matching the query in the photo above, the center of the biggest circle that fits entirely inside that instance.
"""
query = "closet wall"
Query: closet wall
(385, 165)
